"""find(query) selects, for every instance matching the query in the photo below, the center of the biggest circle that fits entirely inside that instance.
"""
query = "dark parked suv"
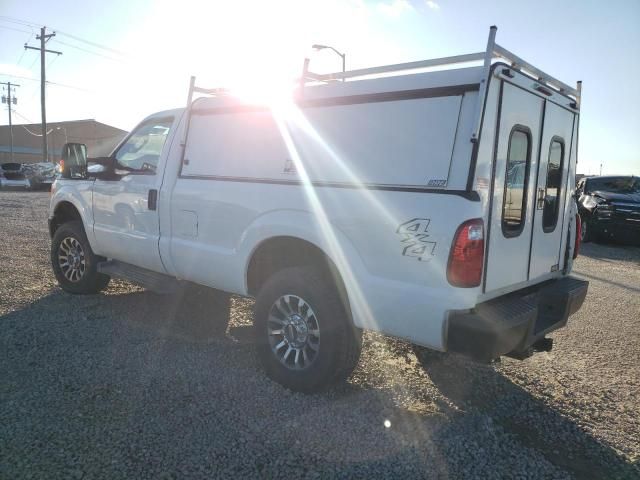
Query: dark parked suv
(609, 207)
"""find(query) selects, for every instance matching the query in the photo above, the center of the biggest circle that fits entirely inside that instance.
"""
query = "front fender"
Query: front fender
(78, 193)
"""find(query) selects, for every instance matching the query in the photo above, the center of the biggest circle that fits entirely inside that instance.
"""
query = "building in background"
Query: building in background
(27, 141)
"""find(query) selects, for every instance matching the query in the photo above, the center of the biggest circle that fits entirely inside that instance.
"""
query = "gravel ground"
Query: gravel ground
(117, 386)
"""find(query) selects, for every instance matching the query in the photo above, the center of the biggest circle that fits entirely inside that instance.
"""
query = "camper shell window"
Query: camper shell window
(516, 181)
(553, 186)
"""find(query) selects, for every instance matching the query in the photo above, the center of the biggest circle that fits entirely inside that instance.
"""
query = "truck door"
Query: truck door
(126, 220)
(515, 165)
(551, 189)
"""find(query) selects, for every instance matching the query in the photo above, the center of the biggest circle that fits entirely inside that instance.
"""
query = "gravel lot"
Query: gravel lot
(118, 386)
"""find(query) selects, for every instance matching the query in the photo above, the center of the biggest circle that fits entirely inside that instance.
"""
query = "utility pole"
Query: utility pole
(43, 37)
(9, 100)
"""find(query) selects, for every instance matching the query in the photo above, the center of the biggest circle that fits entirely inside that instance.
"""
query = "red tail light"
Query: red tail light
(576, 245)
(467, 255)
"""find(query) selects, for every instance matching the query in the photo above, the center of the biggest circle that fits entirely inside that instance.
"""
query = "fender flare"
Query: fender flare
(303, 225)
(65, 194)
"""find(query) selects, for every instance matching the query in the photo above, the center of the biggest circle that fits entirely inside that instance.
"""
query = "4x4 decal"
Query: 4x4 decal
(415, 239)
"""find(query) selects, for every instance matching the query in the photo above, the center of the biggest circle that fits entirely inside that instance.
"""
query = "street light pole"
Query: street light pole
(66, 138)
(342, 55)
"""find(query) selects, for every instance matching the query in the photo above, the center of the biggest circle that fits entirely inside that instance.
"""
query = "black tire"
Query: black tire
(587, 234)
(340, 343)
(89, 281)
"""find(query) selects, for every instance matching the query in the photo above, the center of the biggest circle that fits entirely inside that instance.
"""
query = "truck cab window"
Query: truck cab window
(141, 152)
(517, 177)
(554, 180)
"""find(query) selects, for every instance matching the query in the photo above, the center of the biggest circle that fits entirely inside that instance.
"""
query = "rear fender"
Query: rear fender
(303, 225)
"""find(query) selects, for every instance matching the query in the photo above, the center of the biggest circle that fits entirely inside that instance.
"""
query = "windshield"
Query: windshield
(143, 148)
(614, 184)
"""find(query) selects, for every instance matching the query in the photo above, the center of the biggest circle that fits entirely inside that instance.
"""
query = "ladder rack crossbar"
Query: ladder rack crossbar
(520, 64)
(493, 52)
(434, 62)
(211, 91)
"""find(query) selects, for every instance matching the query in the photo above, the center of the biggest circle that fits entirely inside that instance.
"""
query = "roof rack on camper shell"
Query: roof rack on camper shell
(492, 52)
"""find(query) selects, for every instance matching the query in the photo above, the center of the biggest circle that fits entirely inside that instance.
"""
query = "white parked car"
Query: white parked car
(13, 175)
(380, 203)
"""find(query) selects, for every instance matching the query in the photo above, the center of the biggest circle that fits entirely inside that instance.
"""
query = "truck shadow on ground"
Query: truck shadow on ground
(611, 251)
(606, 280)
(472, 392)
(535, 424)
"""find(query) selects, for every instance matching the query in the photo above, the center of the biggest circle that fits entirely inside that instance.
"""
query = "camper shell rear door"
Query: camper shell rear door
(532, 170)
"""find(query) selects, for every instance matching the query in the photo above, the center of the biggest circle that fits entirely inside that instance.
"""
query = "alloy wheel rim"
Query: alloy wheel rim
(71, 259)
(294, 332)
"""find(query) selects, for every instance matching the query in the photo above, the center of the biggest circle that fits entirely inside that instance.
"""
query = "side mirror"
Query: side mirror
(74, 160)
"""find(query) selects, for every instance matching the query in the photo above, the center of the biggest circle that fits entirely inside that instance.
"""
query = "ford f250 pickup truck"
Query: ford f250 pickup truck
(435, 205)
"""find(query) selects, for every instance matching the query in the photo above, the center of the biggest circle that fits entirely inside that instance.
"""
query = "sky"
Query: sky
(123, 59)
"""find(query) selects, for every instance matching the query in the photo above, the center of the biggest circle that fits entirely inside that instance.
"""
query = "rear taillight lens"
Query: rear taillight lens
(576, 245)
(467, 255)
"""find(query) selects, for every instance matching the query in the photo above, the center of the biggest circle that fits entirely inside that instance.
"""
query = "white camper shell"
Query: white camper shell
(435, 206)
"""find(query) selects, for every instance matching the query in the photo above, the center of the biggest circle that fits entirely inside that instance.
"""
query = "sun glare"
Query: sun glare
(273, 93)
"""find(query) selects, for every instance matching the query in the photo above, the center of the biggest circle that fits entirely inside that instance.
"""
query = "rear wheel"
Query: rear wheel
(74, 263)
(306, 340)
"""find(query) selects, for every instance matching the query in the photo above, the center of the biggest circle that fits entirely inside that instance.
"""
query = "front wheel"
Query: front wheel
(74, 263)
(304, 333)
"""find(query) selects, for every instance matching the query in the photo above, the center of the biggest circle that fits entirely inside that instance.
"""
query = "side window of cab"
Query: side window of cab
(141, 151)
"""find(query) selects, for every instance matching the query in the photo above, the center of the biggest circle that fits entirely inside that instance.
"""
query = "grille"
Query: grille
(627, 212)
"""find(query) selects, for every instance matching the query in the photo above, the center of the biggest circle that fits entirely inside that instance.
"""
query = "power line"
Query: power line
(14, 29)
(49, 82)
(89, 42)
(24, 51)
(52, 61)
(18, 76)
(34, 62)
(69, 86)
(36, 134)
(23, 117)
(22, 56)
(65, 34)
(6, 18)
(89, 51)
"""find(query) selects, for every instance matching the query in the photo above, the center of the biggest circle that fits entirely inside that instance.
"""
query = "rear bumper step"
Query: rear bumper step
(516, 324)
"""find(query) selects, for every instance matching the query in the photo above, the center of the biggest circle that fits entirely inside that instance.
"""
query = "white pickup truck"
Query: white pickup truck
(436, 206)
